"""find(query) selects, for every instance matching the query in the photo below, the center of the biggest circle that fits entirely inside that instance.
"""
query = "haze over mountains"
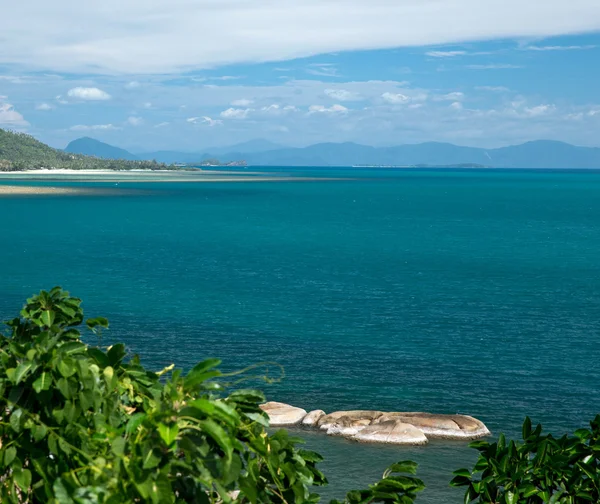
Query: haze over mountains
(536, 154)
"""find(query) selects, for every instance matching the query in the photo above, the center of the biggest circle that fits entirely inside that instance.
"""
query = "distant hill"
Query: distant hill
(250, 147)
(19, 151)
(537, 154)
(91, 147)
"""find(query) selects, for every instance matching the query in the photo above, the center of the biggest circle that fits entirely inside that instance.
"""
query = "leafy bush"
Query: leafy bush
(83, 424)
(541, 469)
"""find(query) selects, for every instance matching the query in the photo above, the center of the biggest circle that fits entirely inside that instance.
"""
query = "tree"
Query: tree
(83, 424)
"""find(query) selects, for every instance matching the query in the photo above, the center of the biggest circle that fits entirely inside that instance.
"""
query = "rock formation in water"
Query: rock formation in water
(401, 428)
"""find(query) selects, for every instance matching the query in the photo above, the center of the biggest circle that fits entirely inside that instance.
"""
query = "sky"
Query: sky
(193, 74)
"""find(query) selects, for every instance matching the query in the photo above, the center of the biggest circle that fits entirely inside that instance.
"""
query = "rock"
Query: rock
(281, 414)
(349, 417)
(312, 418)
(442, 426)
(391, 432)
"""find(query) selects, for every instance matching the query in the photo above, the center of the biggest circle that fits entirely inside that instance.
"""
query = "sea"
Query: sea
(447, 291)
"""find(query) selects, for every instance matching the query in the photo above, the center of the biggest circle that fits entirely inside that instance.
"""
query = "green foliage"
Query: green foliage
(541, 469)
(19, 151)
(85, 425)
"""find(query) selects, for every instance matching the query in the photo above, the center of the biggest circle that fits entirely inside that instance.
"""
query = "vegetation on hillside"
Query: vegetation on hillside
(19, 151)
(83, 424)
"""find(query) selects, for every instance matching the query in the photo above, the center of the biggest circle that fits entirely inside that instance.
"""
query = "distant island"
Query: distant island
(216, 163)
(535, 154)
(21, 152)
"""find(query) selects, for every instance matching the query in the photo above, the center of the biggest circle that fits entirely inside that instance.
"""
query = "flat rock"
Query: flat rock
(442, 426)
(312, 418)
(281, 414)
(391, 432)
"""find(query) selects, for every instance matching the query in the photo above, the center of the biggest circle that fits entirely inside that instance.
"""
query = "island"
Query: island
(22, 152)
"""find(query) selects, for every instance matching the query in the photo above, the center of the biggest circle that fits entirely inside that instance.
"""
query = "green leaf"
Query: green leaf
(21, 371)
(43, 382)
(118, 446)
(9, 455)
(23, 479)
(151, 459)
(15, 420)
(168, 433)
(48, 318)
(97, 322)
(66, 367)
(60, 492)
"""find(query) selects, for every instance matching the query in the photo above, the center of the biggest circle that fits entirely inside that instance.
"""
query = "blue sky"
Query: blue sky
(191, 74)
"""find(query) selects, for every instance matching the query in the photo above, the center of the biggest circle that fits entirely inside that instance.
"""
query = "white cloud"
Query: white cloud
(494, 66)
(132, 85)
(205, 120)
(173, 35)
(147, 105)
(44, 106)
(162, 124)
(61, 100)
(85, 127)
(235, 113)
(445, 54)
(395, 98)
(342, 95)
(539, 110)
(242, 102)
(88, 93)
(561, 48)
(321, 109)
(135, 121)
(456, 106)
(323, 69)
(493, 89)
(9, 116)
(455, 96)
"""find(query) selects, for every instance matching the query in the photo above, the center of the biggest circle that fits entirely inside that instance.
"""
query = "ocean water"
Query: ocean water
(474, 292)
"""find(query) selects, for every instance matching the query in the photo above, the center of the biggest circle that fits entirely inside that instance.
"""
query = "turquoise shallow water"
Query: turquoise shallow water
(444, 291)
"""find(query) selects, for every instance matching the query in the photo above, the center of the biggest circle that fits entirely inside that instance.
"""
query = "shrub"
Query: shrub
(541, 469)
(83, 424)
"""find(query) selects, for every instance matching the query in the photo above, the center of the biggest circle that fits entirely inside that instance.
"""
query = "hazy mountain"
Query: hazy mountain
(91, 147)
(538, 154)
(250, 147)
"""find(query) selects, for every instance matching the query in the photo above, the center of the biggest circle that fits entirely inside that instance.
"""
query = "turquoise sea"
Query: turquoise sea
(473, 292)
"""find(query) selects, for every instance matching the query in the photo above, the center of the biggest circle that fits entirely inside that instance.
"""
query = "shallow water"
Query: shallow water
(446, 291)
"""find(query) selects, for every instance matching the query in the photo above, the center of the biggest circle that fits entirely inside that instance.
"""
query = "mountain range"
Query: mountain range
(535, 154)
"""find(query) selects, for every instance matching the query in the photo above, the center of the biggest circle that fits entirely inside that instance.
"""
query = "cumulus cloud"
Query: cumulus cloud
(395, 98)
(539, 110)
(88, 93)
(162, 124)
(235, 113)
(178, 34)
(243, 102)
(342, 95)
(9, 116)
(453, 97)
(456, 106)
(205, 120)
(321, 109)
(44, 106)
(93, 127)
(132, 85)
(135, 121)
(445, 54)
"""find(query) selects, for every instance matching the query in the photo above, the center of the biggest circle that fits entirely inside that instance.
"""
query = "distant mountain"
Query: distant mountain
(19, 151)
(91, 147)
(250, 147)
(537, 154)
